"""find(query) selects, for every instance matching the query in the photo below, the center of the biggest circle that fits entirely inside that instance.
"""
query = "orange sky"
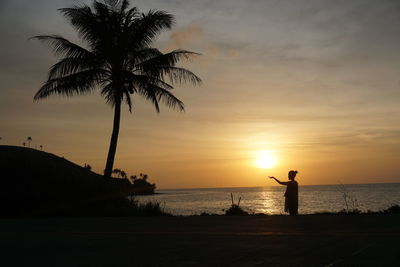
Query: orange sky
(316, 83)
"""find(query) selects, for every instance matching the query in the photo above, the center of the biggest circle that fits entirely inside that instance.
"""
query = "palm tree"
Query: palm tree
(29, 139)
(118, 59)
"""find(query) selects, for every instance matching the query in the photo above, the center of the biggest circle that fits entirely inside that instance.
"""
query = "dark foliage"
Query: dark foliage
(395, 209)
(146, 209)
(235, 209)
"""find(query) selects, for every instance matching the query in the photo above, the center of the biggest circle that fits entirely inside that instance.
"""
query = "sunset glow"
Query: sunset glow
(265, 160)
(305, 85)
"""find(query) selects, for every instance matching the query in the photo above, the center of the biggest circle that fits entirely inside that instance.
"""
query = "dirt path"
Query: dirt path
(201, 241)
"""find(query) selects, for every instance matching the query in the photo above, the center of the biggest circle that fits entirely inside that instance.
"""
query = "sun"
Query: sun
(265, 159)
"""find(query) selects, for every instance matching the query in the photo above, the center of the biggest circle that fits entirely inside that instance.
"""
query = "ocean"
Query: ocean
(270, 200)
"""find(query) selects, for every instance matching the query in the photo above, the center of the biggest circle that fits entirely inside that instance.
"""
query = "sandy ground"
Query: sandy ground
(321, 240)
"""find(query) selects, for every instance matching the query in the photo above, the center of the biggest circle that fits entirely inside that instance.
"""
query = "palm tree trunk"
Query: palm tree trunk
(113, 141)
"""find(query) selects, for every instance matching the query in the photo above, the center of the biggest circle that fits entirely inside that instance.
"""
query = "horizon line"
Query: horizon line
(232, 187)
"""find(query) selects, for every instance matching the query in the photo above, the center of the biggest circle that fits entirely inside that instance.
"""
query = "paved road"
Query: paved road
(202, 241)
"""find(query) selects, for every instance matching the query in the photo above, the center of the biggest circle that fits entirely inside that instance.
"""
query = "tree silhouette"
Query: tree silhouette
(118, 58)
(24, 144)
(133, 178)
(123, 174)
(29, 139)
(117, 172)
(41, 147)
(143, 183)
(144, 176)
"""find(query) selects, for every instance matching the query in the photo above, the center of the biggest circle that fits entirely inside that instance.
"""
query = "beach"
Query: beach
(308, 240)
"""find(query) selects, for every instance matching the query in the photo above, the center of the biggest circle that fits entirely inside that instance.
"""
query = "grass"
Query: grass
(151, 208)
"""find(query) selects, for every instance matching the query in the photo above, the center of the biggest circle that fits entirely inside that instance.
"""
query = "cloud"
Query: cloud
(186, 36)
(194, 36)
(221, 51)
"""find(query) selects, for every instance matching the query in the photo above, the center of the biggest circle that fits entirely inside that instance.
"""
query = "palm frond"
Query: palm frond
(172, 57)
(85, 22)
(69, 65)
(112, 94)
(130, 14)
(138, 56)
(155, 94)
(128, 101)
(164, 65)
(178, 75)
(124, 5)
(104, 10)
(150, 95)
(64, 48)
(146, 27)
(112, 4)
(74, 84)
(107, 92)
(141, 81)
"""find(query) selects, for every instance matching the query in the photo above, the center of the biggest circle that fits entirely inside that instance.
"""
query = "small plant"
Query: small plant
(87, 167)
(350, 201)
(235, 209)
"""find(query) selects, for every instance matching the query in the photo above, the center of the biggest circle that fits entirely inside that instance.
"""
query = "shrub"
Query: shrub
(235, 209)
